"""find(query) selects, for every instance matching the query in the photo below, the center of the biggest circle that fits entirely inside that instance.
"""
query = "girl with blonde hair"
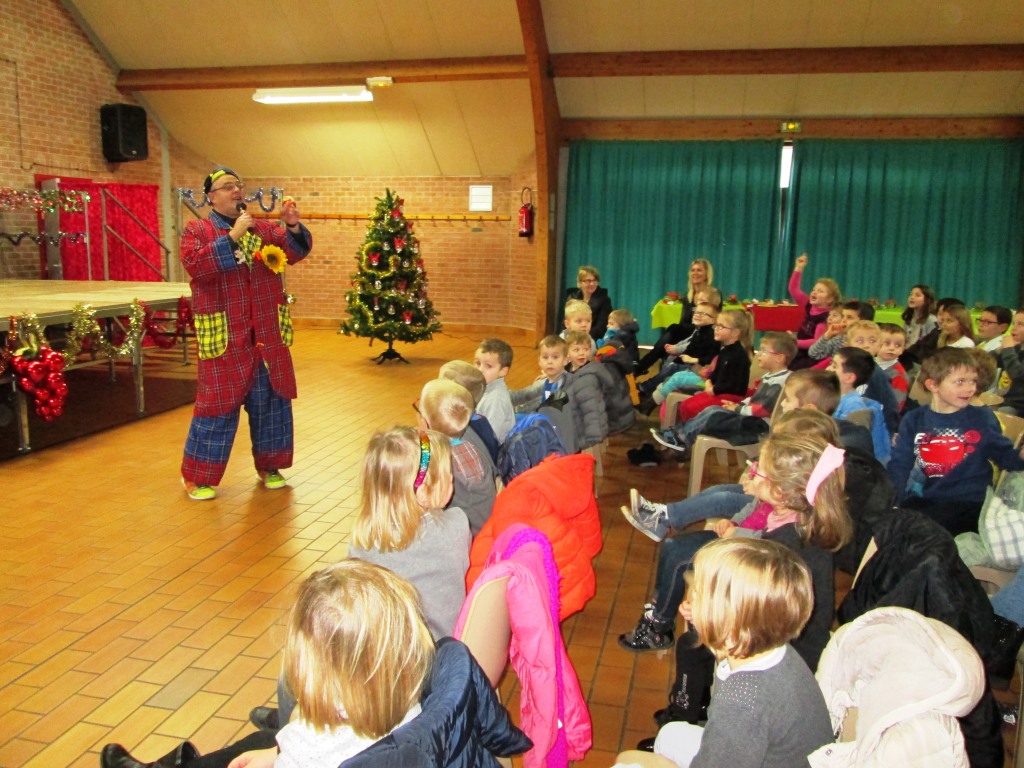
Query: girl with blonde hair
(403, 523)
(798, 501)
(747, 600)
(355, 681)
(823, 297)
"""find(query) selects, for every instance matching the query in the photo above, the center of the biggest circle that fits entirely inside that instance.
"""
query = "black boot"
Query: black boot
(650, 634)
(1006, 641)
(691, 693)
(116, 756)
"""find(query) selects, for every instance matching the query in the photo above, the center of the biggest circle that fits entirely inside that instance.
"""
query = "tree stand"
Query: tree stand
(390, 354)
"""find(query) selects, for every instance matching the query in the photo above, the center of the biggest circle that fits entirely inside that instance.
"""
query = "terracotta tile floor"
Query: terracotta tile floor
(129, 613)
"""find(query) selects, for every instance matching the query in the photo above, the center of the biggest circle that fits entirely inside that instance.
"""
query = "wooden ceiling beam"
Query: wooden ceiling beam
(811, 128)
(955, 58)
(310, 75)
(792, 61)
(547, 125)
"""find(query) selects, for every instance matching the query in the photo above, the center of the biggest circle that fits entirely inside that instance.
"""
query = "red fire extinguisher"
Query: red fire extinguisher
(526, 213)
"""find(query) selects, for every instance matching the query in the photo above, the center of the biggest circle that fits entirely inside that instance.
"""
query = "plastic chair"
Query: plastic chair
(487, 632)
(1012, 426)
(992, 579)
(721, 447)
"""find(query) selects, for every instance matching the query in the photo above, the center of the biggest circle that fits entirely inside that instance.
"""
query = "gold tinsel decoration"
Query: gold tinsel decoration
(85, 326)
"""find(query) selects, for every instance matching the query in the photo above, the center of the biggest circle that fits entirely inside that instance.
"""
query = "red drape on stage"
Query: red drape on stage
(141, 200)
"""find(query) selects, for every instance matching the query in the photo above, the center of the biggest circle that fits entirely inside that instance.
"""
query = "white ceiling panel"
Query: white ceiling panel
(485, 127)
(668, 97)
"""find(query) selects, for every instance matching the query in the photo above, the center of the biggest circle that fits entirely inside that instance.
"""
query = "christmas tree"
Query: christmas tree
(388, 299)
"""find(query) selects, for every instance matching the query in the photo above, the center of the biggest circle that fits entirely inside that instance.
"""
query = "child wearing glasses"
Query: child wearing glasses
(725, 380)
(744, 422)
(799, 502)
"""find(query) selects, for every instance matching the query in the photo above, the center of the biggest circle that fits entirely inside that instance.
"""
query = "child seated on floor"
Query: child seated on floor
(698, 348)
(554, 355)
(894, 340)
(579, 317)
(940, 462)
(744, 422)
(609, 372)
(469, 376)
(446, 407)
(585, 385)
(494, 358)
(853, 368)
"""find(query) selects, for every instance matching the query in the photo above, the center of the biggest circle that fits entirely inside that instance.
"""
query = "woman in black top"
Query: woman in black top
(588, 289)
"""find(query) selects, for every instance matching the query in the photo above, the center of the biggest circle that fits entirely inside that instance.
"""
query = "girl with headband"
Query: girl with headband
(403, 523)
(798, 487)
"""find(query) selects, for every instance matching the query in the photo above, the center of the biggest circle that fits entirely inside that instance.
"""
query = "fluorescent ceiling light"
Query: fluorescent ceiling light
(334, 93)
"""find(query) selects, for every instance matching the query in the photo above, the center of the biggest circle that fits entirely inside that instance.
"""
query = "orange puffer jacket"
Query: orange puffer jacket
(557, 498)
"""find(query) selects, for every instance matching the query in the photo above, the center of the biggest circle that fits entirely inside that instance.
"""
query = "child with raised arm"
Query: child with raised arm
(747, 601)
(816, 306)
(940, 462)
(621, 333)
(494, 358)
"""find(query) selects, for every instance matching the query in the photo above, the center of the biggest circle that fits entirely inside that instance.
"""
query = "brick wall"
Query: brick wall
(52, 84)
(481, 273)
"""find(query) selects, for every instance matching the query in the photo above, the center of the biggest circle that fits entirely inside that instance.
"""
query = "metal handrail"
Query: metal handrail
(107, 228)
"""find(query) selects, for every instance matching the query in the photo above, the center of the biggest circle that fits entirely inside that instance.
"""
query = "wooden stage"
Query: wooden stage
(54, 301)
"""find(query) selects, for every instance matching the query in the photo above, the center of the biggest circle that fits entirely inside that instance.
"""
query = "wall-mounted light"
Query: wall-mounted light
(324, 95)
(379, 82)
(790, 126)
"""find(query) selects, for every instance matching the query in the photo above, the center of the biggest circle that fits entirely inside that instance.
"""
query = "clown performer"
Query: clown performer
(243, 331)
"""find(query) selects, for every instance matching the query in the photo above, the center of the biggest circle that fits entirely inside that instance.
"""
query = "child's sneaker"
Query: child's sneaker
(648, 517)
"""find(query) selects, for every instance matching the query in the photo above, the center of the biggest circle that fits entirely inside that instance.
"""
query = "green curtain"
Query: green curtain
(881, 216)
(642, 211)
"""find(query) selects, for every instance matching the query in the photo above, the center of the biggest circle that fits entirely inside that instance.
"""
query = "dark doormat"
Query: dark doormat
(94, 403)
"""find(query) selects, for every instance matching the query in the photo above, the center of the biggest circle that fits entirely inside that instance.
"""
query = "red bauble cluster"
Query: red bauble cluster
(42, 379)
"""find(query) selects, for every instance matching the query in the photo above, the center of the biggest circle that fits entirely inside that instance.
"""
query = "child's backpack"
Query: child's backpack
(558, 410)
(528, 443)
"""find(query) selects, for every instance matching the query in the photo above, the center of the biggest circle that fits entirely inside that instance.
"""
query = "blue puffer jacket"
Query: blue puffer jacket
(462, 725)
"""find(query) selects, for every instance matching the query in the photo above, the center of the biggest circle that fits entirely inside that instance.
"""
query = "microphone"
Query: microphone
(241, 207)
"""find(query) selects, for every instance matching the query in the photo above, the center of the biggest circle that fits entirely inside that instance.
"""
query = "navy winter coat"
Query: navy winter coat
(462, 725)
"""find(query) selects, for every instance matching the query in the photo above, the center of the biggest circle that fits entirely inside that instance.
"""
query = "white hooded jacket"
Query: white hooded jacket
(895, 682)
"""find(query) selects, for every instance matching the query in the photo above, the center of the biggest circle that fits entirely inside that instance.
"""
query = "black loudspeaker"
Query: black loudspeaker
(123, 127)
